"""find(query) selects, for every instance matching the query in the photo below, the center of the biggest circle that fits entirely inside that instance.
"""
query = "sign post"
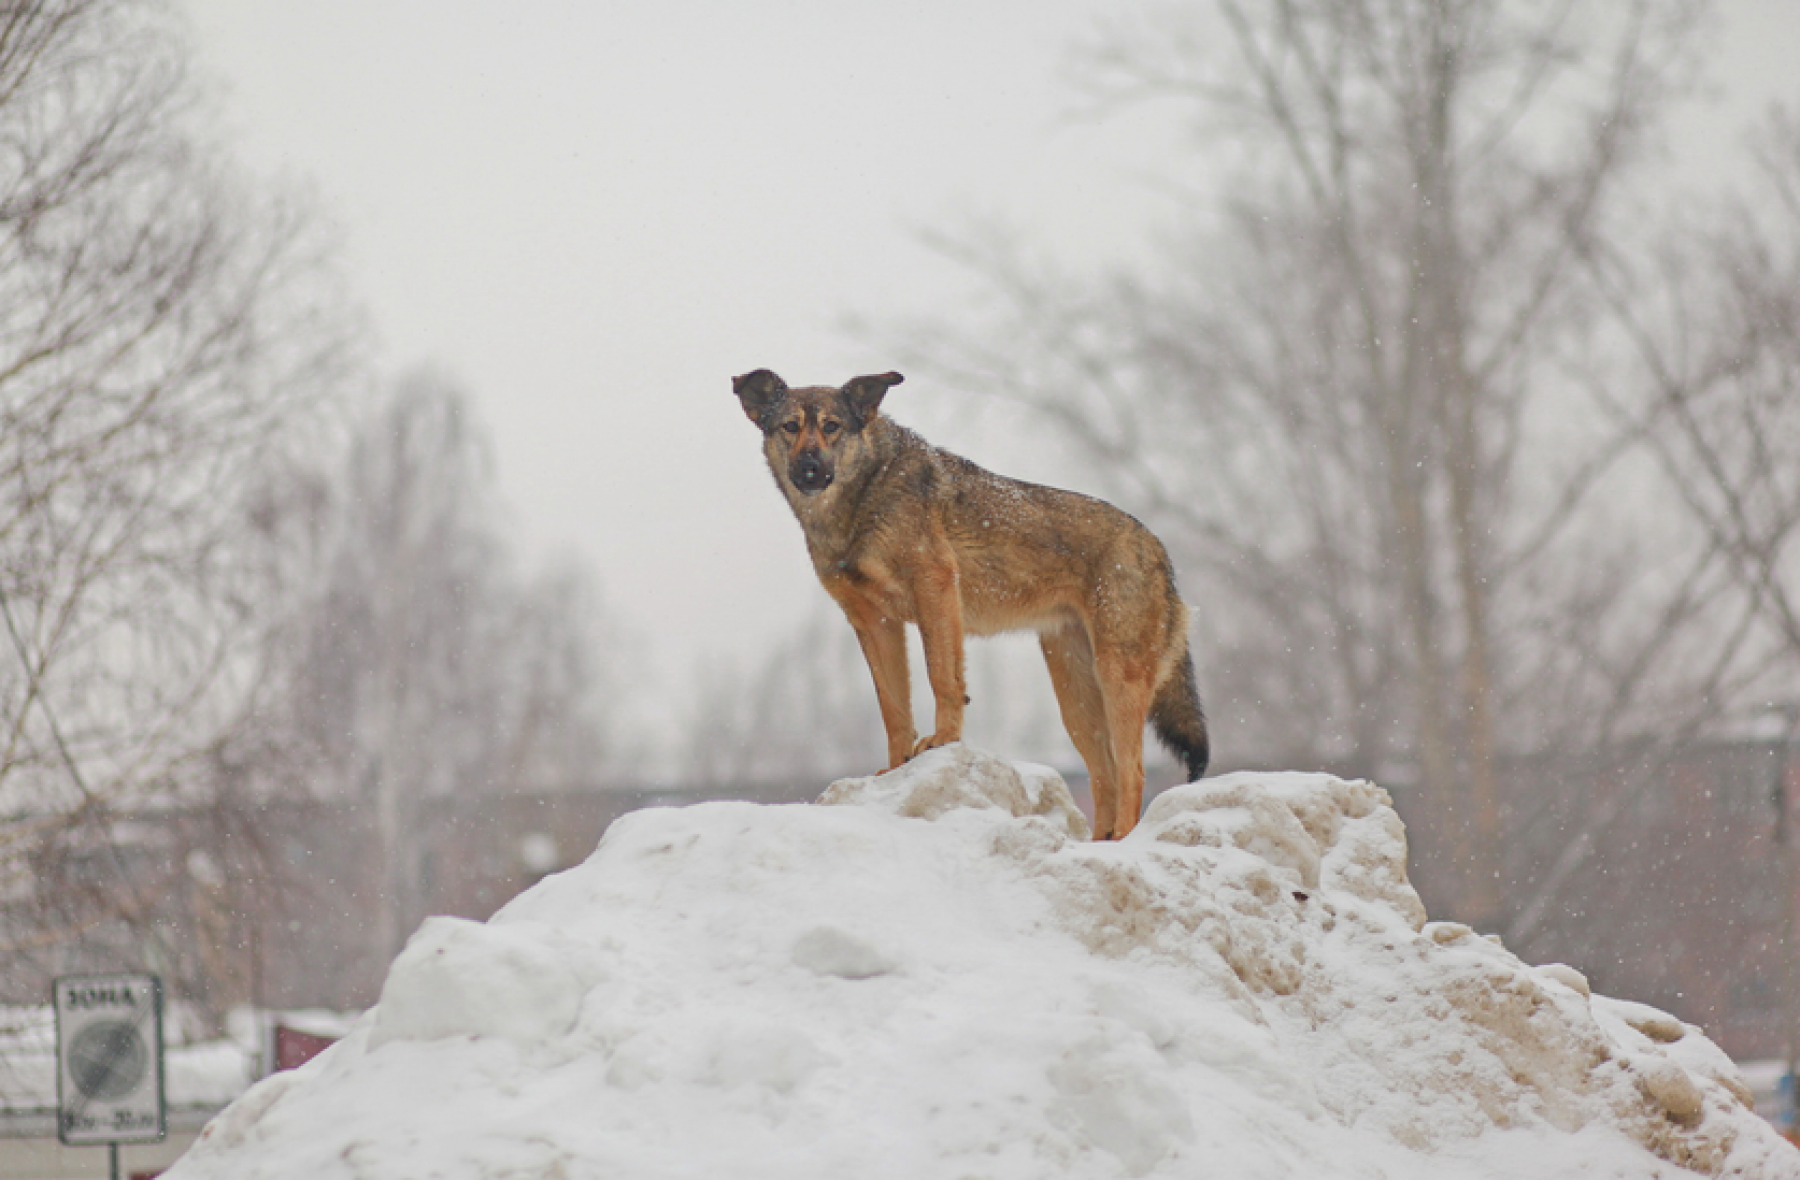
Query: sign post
(109, 1061)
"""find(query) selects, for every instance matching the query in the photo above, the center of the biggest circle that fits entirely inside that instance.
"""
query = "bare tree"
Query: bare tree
(419, 666)
(1338, 398)
(1717, 340)
(197, 615)
(164, 330)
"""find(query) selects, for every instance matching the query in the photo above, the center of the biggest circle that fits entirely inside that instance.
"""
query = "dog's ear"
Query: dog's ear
(863, 394)
(759, 393)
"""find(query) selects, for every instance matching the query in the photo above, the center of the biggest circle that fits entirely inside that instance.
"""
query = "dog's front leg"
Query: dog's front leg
(938, 596)
(883, 640)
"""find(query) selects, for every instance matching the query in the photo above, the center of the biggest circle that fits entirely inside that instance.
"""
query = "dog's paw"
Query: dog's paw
(932, 741)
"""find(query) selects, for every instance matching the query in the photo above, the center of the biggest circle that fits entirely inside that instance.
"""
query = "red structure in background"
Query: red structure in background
(294, 1048)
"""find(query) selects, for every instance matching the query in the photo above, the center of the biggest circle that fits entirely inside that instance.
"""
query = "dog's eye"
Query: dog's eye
(830, 428)
(791, 427)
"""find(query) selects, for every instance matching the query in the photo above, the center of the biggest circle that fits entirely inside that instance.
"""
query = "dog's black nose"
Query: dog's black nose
(810, 473)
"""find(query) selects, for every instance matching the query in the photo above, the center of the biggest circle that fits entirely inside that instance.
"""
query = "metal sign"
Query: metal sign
(109, 1059)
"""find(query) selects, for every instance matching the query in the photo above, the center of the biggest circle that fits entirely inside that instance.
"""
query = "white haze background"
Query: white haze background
(594, 214)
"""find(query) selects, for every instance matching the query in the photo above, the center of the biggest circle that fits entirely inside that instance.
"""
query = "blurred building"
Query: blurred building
(1658, 873)
(271, 906)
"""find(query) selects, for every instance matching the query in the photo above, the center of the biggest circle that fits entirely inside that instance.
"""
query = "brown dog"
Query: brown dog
(902, 532)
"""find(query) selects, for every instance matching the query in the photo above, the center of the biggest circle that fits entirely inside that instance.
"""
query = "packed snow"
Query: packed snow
(931, 973)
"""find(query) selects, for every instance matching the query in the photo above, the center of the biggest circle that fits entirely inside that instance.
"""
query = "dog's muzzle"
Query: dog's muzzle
(810, 473)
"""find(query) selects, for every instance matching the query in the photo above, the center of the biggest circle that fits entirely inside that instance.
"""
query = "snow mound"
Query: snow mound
(954, 776)
(934, 976)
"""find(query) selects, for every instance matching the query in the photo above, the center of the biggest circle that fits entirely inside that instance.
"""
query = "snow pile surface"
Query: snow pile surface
(934, 976)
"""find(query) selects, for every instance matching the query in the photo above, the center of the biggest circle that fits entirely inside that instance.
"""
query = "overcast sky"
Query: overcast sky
(594, 214)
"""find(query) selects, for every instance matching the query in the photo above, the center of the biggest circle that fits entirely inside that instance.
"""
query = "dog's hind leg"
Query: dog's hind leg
(1127, 688)
(1070, 658)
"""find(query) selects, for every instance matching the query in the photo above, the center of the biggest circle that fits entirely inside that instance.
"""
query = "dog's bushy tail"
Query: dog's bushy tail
(1179, 720)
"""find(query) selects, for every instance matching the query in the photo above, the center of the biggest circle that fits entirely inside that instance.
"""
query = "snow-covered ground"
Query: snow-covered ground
(934, 976)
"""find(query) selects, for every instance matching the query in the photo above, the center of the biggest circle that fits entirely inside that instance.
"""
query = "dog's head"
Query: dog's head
(809, 434)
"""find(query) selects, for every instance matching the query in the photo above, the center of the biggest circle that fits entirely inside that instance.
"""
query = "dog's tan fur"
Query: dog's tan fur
(902, 532)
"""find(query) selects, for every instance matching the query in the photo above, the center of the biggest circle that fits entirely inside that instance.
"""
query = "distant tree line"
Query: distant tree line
(1475, 434)
(231, 570)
